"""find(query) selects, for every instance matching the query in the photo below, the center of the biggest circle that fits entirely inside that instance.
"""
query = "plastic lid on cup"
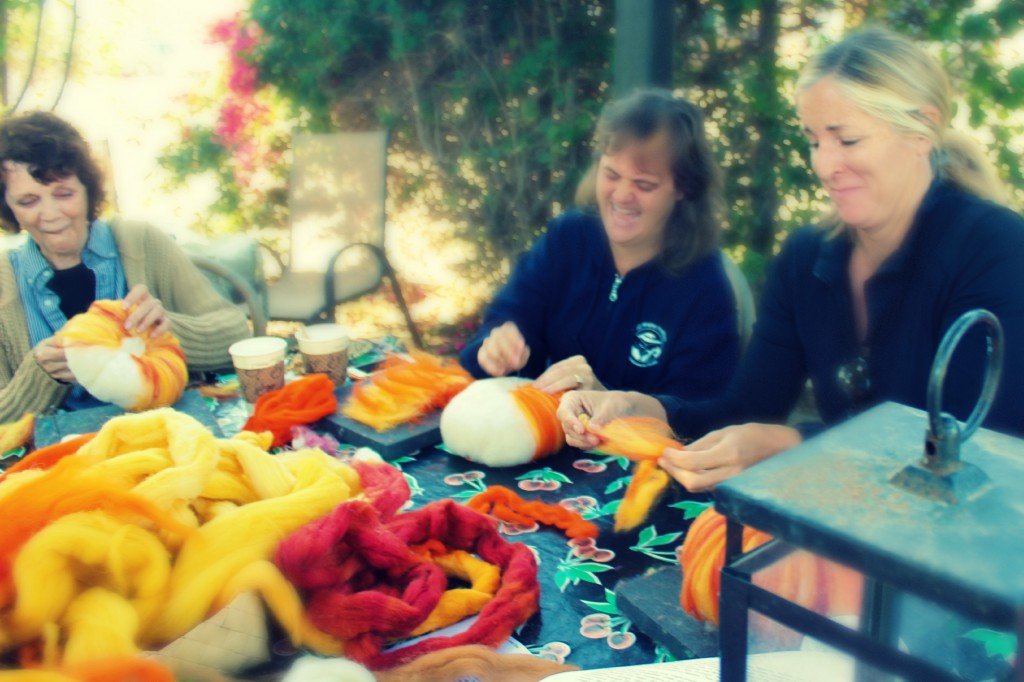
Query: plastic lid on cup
(258, 352)
(320, 339)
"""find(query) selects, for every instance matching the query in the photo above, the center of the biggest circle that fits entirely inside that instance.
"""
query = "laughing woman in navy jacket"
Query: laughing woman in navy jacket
(860, 304)
(633, 296)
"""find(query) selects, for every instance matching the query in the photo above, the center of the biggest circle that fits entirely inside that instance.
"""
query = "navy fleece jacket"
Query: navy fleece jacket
(961, 253)
(652, 331)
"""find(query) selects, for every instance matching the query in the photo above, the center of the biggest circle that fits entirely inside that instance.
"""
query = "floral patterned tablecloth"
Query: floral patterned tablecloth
(579, 621)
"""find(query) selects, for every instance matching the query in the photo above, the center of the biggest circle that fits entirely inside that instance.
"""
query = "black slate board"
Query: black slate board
(397, 442)
(52, 428)
(651, 602)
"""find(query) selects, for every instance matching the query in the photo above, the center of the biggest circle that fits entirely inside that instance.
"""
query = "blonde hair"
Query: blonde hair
(891, 78)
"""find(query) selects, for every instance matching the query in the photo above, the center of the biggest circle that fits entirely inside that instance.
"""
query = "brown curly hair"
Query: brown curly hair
(53, 150)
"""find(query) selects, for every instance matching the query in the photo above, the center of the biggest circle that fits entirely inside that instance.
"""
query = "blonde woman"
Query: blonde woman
(860, 303)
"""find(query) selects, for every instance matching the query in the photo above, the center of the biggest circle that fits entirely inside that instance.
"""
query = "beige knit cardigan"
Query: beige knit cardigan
(204, 322)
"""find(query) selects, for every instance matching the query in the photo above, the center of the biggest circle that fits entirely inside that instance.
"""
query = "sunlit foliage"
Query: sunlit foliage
(491, 103)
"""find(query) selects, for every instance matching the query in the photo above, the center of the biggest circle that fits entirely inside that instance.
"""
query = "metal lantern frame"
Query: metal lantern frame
(934, 527)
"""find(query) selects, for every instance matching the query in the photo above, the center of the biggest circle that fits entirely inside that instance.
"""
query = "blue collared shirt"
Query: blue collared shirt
(42, 306)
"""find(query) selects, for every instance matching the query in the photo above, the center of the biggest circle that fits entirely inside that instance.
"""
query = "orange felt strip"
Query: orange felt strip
(303, 401)
(504, 504)
(539, 408)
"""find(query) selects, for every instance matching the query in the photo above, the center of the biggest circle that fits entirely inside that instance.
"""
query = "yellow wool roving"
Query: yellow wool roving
(104, 583)
(99, 624)
(87, 548)
(227, 543)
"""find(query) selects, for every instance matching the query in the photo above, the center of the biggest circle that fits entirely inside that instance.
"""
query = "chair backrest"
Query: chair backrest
(336, 195)
(234, 265)
(746, 312)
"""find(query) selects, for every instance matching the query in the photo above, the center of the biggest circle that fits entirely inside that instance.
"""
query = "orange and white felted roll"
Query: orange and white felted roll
(502, 422)
(805, 579)
(131, 370)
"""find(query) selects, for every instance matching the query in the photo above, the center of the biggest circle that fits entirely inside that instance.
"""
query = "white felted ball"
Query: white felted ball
(110, 374)
(312, 669)
(484, 424)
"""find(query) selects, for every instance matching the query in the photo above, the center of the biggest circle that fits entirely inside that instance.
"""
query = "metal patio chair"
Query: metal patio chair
(337, 221)
(233, 264)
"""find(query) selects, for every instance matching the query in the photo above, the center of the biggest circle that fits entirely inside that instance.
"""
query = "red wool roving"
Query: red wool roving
(365, 586)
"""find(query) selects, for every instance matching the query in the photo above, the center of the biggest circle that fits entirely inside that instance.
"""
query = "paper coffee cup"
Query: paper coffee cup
(319, 339)
(324, 349)
(259, 364)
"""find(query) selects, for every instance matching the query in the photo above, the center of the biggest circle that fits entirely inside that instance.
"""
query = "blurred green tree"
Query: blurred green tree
(489, 102)
(492, 103)
(739, 60)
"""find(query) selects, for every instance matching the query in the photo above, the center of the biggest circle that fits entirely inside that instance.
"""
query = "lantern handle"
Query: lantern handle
(938, 421)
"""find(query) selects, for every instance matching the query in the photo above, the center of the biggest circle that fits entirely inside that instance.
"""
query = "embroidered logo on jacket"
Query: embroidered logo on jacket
(649, 345)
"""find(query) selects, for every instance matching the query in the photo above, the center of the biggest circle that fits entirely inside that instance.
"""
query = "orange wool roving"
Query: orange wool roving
(131, 370)
(472, 662)
(18, 433)
(803, 578)
(641, 439)
(122, 669)
(635, 438)
(502, 422)
(153, 525)
(506, 505)
(539, 408)
(45, 458)
(69, 487)
(404, 390)
(132, 668)
(302, 401)
(367, 586)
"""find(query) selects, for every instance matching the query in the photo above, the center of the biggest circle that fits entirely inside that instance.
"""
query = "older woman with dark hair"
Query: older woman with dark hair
(633, 295)
(53, 190)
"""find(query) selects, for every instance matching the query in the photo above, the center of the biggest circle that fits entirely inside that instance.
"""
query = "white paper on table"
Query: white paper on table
(511, 646)
(779, 666)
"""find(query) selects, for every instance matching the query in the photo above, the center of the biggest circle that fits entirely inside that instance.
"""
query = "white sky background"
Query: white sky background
(134, 59)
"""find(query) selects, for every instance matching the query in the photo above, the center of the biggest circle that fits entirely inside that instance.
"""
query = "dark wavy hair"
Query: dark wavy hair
(693, 227)
(53, 150)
